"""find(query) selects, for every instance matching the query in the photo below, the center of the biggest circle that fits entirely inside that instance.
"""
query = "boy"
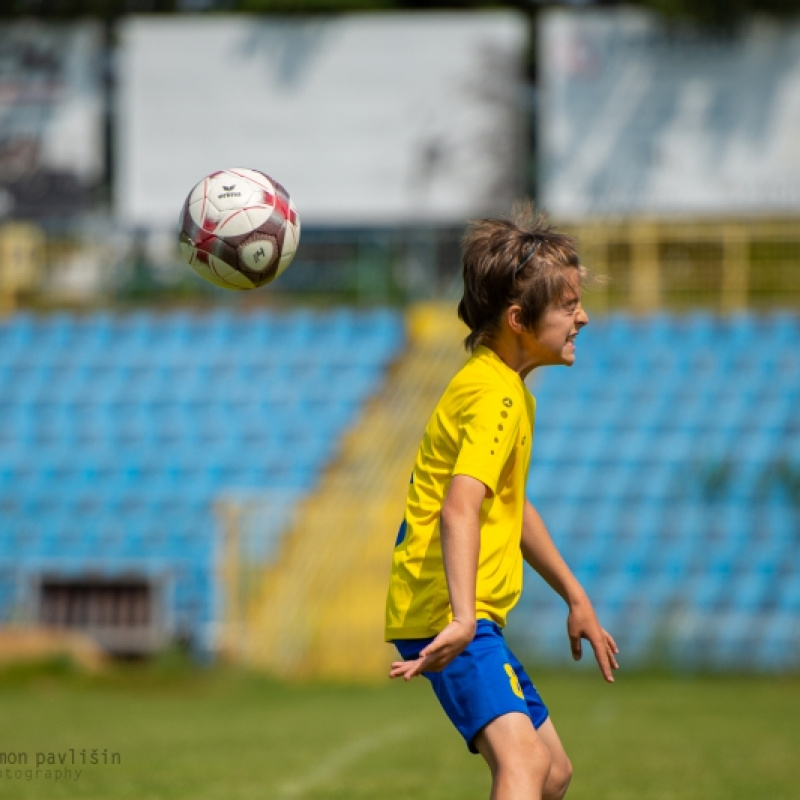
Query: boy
(457, 566)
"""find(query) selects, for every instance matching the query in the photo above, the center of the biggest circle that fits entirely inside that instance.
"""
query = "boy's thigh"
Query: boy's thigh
(509, 739)
(533, 759)
(560, 760)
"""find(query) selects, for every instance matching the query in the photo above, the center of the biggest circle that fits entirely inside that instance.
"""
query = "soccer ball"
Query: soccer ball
(239, 229)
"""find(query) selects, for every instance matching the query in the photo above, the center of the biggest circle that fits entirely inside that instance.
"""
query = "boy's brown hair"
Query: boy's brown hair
(521, 261)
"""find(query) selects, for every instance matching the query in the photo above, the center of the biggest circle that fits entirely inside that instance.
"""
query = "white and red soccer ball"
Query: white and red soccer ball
(239, 229)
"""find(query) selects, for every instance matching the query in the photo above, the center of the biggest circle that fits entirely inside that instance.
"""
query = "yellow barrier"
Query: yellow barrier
(22, 247)
(726, 265)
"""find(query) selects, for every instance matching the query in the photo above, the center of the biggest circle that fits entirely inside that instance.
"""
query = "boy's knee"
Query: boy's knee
(537, 762)
(558, 779)
(526, 766)
(541, 756)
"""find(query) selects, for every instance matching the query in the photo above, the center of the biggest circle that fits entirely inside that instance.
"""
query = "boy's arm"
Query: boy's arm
(460, 537)
(540, 552)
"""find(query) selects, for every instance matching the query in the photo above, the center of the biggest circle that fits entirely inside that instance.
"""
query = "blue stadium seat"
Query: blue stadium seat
(770, 557)
(788, 595)
(734, 640)
(547, 640)
(675, 551)
(785, 327)
(613, 594)
(144, 417)
(655, 593)
(707, 592)
(643, 522)
(604, 517)
(778, 645)
(751, 593)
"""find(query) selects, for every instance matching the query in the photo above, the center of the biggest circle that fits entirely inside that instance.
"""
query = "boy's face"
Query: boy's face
(553, 341)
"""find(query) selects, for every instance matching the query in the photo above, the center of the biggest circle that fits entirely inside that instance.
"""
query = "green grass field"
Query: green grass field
(217, 735)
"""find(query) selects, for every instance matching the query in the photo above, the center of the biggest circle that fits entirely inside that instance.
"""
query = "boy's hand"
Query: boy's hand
(449, 643)
(582, 624)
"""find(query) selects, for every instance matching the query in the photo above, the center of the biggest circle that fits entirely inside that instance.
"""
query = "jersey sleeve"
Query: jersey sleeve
(488, 428)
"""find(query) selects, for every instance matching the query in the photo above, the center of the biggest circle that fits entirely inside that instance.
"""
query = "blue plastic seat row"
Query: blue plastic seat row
(669, 479)
(669, 482)
(118, 432)
(302, 331)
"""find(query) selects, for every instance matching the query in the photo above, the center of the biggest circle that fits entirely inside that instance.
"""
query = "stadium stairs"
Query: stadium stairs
(320, 612)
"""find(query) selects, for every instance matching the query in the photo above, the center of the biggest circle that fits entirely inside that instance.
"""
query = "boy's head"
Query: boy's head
(521, 262)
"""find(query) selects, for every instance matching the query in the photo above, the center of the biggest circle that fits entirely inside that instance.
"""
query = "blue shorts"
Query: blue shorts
(482, 683)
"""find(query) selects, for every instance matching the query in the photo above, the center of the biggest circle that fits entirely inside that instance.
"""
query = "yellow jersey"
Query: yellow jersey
(482, 427)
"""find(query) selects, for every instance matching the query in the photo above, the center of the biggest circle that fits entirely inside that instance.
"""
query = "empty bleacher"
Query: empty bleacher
(667, 466)
(117, 433)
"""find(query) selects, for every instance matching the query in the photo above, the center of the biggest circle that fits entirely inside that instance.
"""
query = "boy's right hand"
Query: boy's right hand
(449, 643)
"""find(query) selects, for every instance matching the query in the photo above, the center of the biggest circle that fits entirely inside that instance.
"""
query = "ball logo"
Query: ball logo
(228, 192)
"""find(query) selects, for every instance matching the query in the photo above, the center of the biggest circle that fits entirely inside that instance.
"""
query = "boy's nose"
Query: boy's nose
(581, 318)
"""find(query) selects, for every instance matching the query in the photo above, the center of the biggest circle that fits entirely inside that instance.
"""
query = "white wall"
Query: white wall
(51, 111)
(365, 119)
(640, 118)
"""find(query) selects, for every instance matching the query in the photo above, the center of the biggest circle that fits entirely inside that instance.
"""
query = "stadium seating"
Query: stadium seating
(117, 433)
(667, 465)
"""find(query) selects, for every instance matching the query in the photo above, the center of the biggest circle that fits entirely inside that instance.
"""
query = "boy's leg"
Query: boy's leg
(526, 764)
(487, 682)
(560, 767)
(518, 758)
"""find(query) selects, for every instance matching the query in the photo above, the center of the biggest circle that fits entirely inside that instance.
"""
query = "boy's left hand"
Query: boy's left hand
(582, 624)
(449, 643)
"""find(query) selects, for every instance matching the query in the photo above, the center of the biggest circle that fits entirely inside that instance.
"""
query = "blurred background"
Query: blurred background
(224, 473)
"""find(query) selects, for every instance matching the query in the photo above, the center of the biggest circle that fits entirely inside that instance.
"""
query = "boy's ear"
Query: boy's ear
(514, 318)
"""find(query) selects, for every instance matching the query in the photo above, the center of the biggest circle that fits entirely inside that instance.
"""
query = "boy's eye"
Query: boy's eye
(571, 303)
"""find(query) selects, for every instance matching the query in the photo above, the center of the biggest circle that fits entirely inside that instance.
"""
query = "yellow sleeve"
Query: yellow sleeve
(487, 434)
